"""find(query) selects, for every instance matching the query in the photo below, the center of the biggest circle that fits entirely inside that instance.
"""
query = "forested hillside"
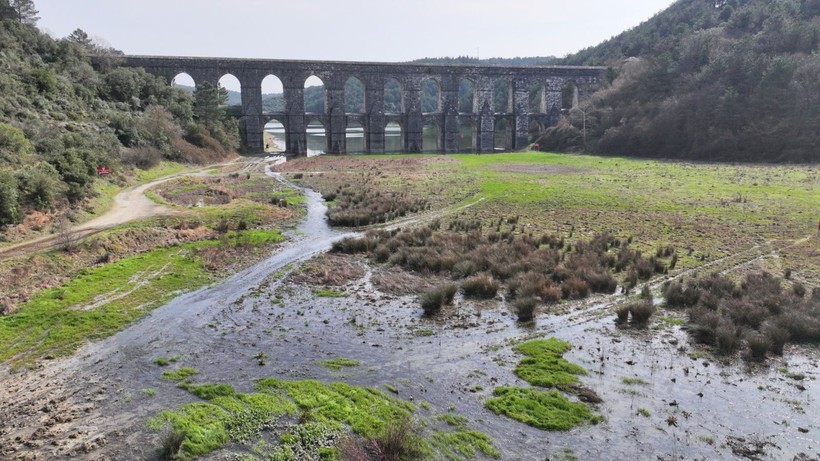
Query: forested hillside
(60, 118)
(731, 80)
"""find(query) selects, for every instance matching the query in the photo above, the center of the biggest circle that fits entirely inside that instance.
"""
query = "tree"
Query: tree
(209, 104)
(26, 11)
(9, 212)
(80, 37)
(6, 11)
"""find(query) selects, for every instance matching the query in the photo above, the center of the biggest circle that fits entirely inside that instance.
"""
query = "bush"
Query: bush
(726, 337)
(778, 337)
(481, 287)
(641, 311)
(432, 300)
(622, 315)
(171, 444)
(678, 295)
(759, 345)
(574, 288)
(524, 308)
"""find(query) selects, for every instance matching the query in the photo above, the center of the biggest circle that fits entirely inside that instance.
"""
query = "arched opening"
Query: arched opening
(569, 95)
(393, 98)
(273, 97)
(275, 136)
(316, 137)
(430, 96)
(535, 130)
(466, 136)
(354, 138)
(393, 137)
(354, 96)
(466, 96)
(231, 84)
(183, 81)
(431, 141)
(537, 100)
(314, 95)
(502, 96)
(502, 137)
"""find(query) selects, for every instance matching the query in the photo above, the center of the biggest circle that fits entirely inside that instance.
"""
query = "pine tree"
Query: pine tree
(26, 11)
(81, 38)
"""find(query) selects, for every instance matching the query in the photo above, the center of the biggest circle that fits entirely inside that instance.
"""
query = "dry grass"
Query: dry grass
(762, 311)
(328, 270)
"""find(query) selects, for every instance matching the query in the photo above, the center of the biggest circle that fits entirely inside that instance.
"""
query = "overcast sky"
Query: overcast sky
(352, 30)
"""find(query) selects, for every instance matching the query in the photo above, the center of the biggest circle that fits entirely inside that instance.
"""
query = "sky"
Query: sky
(351, 30)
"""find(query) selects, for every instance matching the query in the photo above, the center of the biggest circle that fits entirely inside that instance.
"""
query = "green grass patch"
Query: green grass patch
(463, 445)
(226, 416)
(365, 410)
(180, 374)
(97, 303)
(339, 363)
(546, 410)
(328, 293)
(672, 321)
(163, 362)
(643, 412)
(544, 365)
(160, 171)
(633, 381)
(452, 420)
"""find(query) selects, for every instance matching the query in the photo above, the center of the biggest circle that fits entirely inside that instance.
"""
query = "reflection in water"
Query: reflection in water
(317, 142)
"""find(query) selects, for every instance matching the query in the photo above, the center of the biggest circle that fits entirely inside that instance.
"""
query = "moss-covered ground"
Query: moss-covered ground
(296, 420)
(544, 366)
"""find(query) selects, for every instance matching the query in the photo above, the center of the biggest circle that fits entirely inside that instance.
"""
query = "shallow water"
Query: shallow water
(697, 408)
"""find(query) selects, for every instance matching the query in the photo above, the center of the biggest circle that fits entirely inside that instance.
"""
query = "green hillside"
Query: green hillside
(61, 118)
(729, 80)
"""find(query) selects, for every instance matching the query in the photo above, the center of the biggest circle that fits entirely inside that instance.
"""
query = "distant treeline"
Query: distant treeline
(731, 80)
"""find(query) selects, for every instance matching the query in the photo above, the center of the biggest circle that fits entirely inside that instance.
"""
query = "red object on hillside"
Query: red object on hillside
(103, 170)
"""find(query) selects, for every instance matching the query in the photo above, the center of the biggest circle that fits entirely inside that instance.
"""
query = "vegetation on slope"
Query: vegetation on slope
(61, 118)
(714, 80)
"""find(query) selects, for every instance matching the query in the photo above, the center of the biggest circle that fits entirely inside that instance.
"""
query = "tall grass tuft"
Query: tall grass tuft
(432, 300)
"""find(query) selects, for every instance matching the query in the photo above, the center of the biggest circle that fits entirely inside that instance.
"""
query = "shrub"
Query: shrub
(641, 311)
(678, 295)
(432, 300)
(349, 245)
(171, 444)
(778, 336)
(574, 288)
(726, 337)
(622, 315)
(600, 282)
(758, 345)
(524, 308)
(481, 286)
(704, 324)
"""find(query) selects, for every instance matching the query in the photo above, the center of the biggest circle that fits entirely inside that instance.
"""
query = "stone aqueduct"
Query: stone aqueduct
(293, 74)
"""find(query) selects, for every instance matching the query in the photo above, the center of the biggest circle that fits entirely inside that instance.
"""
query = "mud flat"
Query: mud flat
(662, 397)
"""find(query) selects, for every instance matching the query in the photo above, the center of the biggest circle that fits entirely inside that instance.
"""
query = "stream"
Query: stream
(693, 408)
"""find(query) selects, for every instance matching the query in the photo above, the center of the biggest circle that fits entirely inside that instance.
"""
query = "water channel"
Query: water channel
(219, 329)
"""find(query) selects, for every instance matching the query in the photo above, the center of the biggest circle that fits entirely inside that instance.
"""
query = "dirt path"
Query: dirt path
(129, 205)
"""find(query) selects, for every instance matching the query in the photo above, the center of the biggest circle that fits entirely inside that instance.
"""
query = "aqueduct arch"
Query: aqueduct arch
(385, 79)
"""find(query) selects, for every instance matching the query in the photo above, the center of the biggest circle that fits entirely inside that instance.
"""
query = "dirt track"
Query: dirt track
(129, 205)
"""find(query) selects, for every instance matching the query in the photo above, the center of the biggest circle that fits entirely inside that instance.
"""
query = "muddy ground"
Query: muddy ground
(95, 404)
